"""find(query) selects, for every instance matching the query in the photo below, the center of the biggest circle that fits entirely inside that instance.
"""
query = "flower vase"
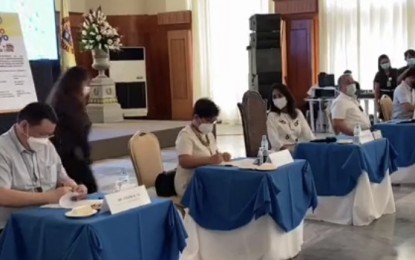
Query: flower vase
(103, 104)
(100, 61)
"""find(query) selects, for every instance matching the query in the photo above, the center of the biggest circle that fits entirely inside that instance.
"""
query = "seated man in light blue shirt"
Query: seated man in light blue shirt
(31, 172)
(404, 97)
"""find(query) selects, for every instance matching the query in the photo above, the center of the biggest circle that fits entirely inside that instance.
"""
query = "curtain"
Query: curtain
(354, 33)
(220, 37)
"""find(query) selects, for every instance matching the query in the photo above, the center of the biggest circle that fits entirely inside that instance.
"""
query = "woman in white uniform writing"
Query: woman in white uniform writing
(196, 144)
(286, 125)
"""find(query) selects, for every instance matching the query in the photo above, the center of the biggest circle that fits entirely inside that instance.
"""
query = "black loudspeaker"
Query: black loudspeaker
(263, 82)
(264, 50)
(264, 90)
(265, 22)
(264, 60)
(266, 78)
(43, 77)
(265, 40)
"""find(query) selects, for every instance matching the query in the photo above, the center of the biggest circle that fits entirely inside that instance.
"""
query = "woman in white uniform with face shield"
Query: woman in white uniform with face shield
(286, 125)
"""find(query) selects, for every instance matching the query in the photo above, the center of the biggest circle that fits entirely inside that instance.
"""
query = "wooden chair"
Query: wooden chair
(386, 105)
(145, 155)
(253, 111)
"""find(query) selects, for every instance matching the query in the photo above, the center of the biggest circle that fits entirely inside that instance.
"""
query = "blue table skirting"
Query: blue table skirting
(402, 138)
(337, 167)
(150, 232)
(226, 198)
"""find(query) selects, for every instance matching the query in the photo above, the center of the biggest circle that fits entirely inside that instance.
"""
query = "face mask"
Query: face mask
(351, 90)
(37, 143)
(280, 103)
(385, 66)
(411, 61)
(206, 128)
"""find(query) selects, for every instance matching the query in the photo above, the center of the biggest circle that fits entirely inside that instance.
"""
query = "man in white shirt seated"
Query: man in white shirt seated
(345, 110)
(404, 97)
(31, 172)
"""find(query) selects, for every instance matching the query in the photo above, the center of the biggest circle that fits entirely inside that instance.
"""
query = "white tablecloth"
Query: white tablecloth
(404, 175)
(260, 239)
(367, 202)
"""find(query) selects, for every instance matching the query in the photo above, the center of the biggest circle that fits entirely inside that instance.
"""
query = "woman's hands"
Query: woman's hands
(227, 157)
(220, 157)
(216, 159)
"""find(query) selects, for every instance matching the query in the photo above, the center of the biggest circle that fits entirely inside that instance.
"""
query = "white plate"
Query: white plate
(266, 167)
(71, 214)
(344, 141)
(247, 167)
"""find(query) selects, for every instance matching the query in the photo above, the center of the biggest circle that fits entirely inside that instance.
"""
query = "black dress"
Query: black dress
(387, 83)
(71, 140)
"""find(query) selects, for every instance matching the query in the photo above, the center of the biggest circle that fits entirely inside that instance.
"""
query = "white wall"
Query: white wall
(74, 5)
(118, 7)
(155, 6)
(126, 7)
(177, 5)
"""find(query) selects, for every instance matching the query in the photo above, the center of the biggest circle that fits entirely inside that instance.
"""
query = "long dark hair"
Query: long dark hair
(381, 57)
(69, 86)
(291, 106)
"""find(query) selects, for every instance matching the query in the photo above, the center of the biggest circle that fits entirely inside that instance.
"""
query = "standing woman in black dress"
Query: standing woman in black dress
(385, 80)
(71, 135)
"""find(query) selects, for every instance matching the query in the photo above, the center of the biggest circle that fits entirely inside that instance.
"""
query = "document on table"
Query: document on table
(244, 163)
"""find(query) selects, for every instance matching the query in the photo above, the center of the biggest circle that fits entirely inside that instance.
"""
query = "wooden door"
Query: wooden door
(180, 63)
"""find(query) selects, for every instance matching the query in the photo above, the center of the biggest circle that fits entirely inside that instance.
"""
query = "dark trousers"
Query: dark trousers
(80, 171)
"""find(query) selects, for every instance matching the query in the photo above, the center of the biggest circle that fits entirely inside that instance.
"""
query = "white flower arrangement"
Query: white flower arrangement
(97, 33)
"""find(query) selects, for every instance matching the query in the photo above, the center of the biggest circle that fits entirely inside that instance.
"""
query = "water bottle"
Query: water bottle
(264, 142)
(122, 181)
(356, 134)
(125, 176)
(265, 147)
(260, 157)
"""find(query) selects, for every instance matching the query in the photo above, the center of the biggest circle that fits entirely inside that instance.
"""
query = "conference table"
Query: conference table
(246, 214)
(401, 135)
(352, 181)
(154, 231)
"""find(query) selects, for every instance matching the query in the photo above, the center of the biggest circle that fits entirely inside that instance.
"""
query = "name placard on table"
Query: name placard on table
(377, 134)
(366, 137)
(126, 199)
(281, 158)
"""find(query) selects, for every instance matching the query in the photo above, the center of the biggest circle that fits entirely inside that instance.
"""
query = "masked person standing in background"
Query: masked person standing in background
(72, 131)
(346, 111)
(385, 81)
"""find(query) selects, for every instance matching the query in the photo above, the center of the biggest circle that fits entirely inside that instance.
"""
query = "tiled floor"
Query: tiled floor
(391, 237)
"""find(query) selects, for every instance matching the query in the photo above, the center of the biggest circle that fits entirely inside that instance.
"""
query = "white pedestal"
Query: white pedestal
(103, 106)
(105, 113)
